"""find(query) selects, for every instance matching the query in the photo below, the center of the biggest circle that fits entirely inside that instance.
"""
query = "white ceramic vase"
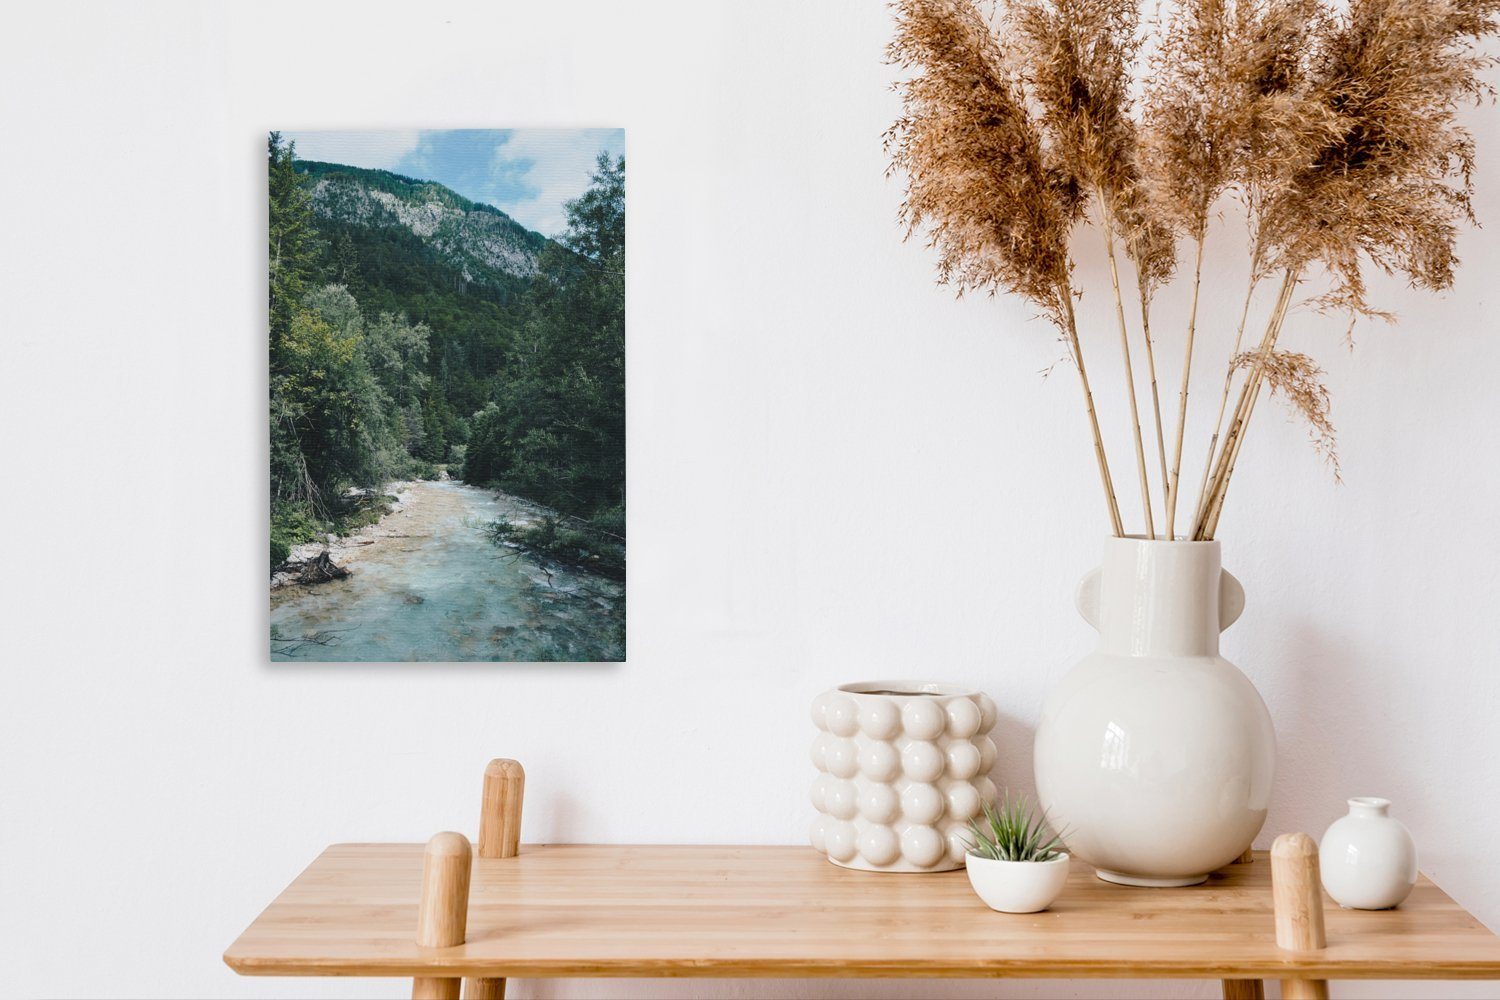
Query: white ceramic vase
(903, 766)
(1155, 755)
(1018, 886)
(1367, 858)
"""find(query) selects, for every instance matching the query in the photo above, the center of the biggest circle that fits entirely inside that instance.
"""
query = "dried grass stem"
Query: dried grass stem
(1065, 296)
(1135, 413)
(1208, 516)
(1182, 395)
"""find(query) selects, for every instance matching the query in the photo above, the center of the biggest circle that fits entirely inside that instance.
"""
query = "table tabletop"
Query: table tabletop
(589, 910)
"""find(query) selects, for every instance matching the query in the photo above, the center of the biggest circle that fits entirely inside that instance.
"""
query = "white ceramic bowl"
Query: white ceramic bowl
(1017, 886)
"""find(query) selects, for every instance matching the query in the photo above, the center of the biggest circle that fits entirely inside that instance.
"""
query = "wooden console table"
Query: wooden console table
(438, 915)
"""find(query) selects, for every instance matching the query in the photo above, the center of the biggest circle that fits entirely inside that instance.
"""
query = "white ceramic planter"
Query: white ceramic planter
(1154, 754)
(903, 766)
(1367, 858)
(1018, 886)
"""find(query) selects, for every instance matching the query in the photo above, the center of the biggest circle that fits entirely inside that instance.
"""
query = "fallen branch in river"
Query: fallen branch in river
(295, 644)
(319, 569)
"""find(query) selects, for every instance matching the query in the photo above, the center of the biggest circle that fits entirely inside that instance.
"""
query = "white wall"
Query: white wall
(836, 472)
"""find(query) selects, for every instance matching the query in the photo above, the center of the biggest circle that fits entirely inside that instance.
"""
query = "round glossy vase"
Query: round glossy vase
(1367, 858)
(1154, 754)
(903, 766)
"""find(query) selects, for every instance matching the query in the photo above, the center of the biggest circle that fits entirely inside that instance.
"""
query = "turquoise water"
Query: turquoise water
(441, 591)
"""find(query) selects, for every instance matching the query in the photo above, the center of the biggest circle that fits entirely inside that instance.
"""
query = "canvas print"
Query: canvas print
(447, 395)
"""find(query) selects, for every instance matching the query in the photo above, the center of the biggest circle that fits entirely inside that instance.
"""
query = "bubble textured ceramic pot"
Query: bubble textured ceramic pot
(1155, 755)
(903, 766)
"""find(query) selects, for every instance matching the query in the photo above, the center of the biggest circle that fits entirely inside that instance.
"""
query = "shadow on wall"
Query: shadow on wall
(1334, 731)
(1013, 739)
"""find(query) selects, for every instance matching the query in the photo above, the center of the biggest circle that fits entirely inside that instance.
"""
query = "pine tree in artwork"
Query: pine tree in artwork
(293, 240)
(563, 402)
(434, 440)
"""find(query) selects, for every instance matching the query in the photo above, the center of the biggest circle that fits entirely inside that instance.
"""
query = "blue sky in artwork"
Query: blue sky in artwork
(529, 174)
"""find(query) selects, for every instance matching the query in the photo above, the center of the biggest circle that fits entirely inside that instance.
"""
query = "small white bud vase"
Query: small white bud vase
(1367, 858)
(902, 768)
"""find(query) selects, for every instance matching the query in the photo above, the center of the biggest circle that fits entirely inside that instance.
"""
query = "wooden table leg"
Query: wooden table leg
(1297, 894)
(485, 988)
(1244, 989)
(499, 837)
(443, 913)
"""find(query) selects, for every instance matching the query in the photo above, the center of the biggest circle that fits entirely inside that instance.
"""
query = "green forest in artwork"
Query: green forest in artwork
(420, 336)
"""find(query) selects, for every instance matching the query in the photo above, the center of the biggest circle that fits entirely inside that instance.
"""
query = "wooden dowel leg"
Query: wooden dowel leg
(488, 988)
(500, 811)
(499, 837)
(1297, 894)
(433, 988)
(443, 912)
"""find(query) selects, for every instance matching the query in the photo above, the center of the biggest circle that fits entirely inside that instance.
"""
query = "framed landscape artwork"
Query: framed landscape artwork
(447, 395)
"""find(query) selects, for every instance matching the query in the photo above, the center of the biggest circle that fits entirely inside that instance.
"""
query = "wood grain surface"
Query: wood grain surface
(581, 910)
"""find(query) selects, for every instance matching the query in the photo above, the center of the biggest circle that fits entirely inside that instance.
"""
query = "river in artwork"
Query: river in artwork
(427, 583)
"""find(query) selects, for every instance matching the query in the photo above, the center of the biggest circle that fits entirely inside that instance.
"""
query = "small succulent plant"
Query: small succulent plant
(1012, 830)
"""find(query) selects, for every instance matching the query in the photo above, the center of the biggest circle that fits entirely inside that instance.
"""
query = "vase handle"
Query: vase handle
(1231, 598)
(1086, 597)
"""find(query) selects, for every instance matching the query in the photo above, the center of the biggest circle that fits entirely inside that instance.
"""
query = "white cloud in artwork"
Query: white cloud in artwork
(550, 167)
